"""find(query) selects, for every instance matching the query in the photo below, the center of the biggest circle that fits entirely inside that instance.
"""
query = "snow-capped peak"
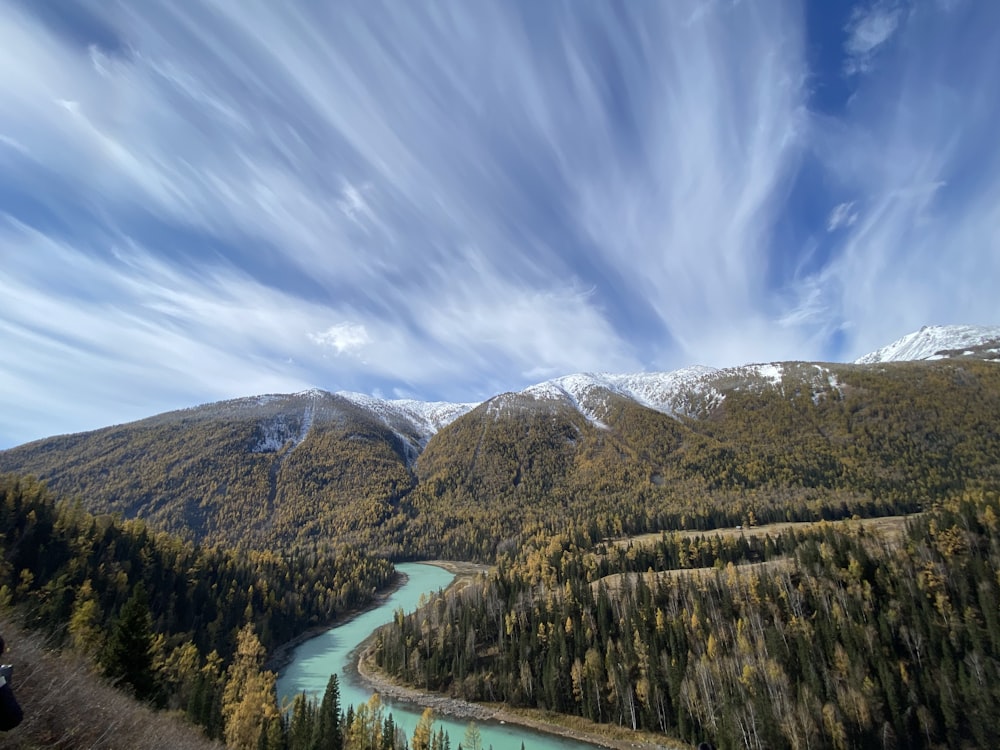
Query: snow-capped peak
(426, 416)
(935, 342)
(686, 391)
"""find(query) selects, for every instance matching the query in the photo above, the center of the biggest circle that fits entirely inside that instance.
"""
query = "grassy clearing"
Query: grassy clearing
(891, 527)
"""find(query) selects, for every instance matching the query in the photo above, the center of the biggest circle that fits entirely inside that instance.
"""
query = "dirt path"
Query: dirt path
(890, 526)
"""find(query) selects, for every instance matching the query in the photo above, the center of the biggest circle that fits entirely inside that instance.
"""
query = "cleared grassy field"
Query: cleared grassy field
(889, 528)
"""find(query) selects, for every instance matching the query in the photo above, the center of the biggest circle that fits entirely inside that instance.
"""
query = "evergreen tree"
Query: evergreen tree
(128, 655)
(302, 726)
(328, 730)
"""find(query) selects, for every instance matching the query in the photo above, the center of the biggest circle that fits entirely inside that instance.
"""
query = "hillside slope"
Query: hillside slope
(252, 472)
(606, 453)
(796, 442)
(67, 706)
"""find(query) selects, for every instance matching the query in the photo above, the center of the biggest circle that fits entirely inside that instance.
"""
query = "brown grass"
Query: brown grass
(67, 706)
(891, 527)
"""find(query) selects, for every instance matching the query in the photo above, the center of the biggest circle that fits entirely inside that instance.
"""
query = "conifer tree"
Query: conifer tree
(128, 655)
(249, 702)
(473, 738)
(329, 735)
(85, 630)
(423, 731)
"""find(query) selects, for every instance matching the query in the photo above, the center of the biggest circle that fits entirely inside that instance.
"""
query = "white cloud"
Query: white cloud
(472, 201)
(925, 249)
(342, 337)
(868, 30)
(353, 204)
(13, 143)
(690, 224)
(842, 215)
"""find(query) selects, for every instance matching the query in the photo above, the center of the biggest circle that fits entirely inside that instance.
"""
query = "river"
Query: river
(313, 662)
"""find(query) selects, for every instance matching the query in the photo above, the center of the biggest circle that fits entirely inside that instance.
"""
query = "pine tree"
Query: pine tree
(329, 735)
(301, 727)
(128, 655)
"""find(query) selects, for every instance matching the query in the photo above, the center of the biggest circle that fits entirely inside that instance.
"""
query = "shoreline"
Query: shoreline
(362, 667)
(281, 656)
(456, 708)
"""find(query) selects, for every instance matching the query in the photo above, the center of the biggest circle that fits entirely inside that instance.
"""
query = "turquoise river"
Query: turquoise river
(314, 660)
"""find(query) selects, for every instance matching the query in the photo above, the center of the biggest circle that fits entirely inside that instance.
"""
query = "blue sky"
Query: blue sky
(447, 200)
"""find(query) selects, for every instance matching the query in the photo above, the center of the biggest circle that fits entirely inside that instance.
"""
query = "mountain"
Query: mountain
(939, 342)
(261, 471)
(609, 454)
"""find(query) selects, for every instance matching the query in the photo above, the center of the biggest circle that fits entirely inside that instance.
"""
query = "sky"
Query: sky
(446, 200)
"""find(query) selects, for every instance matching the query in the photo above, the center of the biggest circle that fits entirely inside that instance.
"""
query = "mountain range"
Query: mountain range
(900, 426)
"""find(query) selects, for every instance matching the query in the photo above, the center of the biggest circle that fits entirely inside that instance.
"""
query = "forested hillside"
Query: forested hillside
(264, 473)
(866, 441)
(179, 626)
(798, 441)
(838, 638)
(289, 508)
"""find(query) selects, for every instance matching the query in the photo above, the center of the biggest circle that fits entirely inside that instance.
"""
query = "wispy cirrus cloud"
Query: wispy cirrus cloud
(208, 199)
(842, 215)
(925, 248)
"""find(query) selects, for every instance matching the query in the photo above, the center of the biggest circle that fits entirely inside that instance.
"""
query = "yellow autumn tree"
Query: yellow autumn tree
(249, 701)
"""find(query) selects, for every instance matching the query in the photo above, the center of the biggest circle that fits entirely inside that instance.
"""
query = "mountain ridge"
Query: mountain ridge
(938, 342)
(682, 392)
(634, 452)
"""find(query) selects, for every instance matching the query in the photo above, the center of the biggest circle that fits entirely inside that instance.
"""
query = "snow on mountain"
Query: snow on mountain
(282, 428)
(687, 392)
(424, 417)
(936, 342)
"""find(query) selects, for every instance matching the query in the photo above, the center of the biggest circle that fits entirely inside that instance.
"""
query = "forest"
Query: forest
(198, 543)
(836, 637)
(860, 440)
(182, 627)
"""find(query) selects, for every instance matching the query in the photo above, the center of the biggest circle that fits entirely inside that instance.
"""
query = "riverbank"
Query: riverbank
(464, 572)
(599, 735)
(281, 656)
(363, 665)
